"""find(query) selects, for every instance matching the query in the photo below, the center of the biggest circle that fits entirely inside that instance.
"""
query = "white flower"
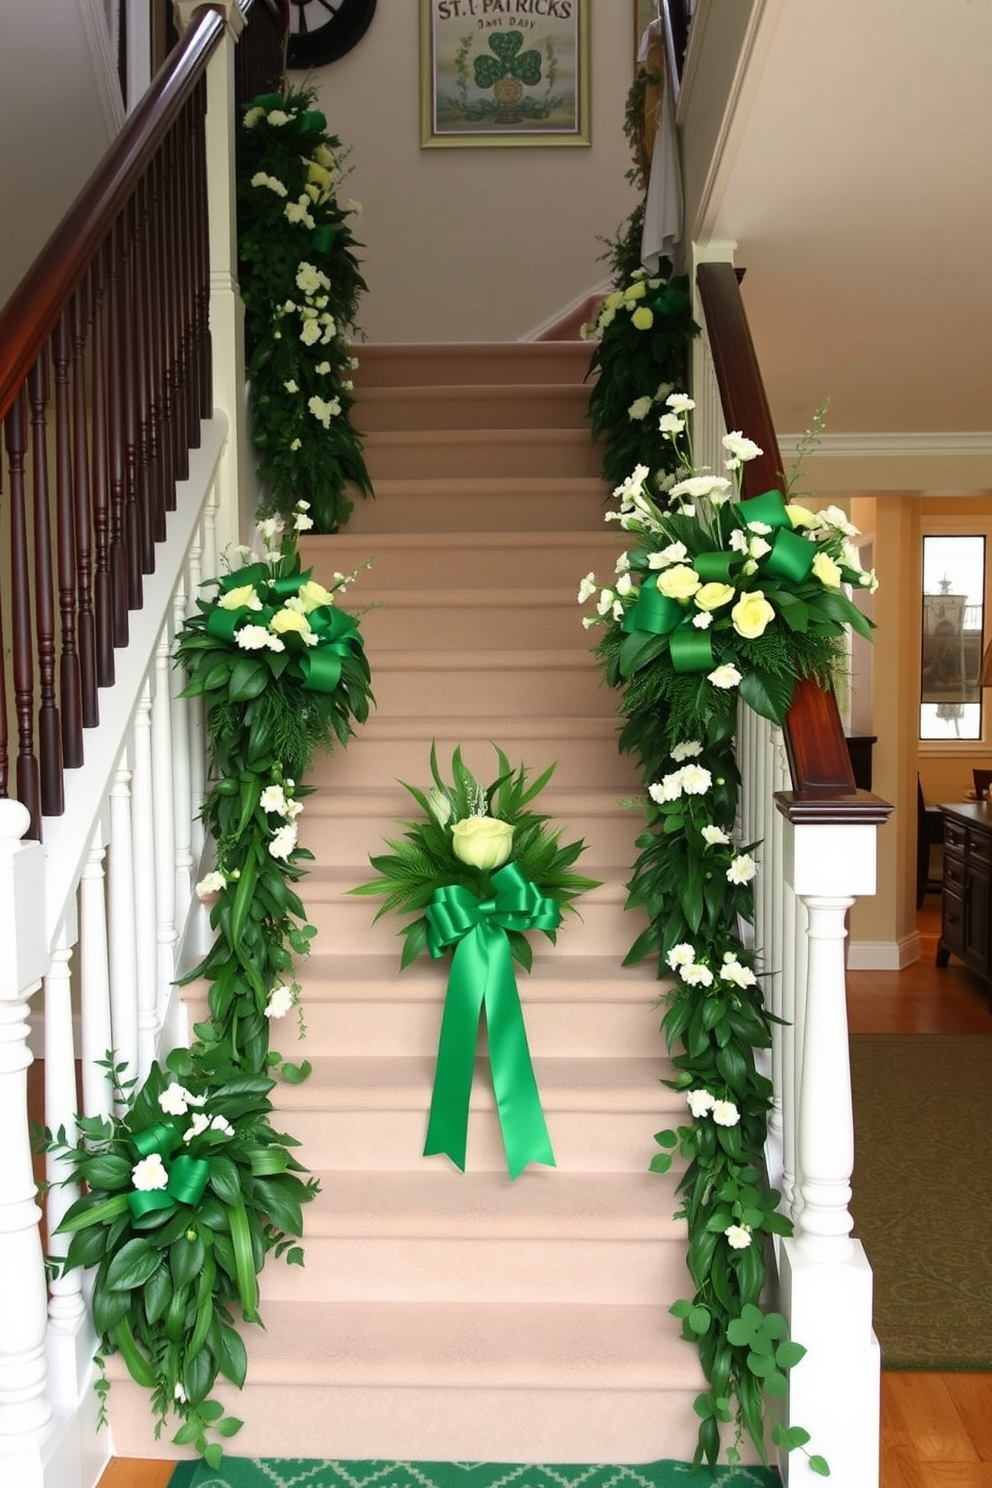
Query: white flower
(832, 516)
(633, 485)
(355, 207)
(281, 999)
(310, 333)
(669, 788)
(323, 410)
(273, 799)
(302, 522)
(670, 423)
(252, 638)
(261, 179)
(725, 676)
(757, 547)
(703, 620)
(278, 116)
(742, 869)
(681, 955)
(713, 486)
(439, 805)
(618, 610)
(622, 564)
(283, 841)
(690, 749)
(270, 529)
(178, 1393)
(322, 369)
(827, 571)
(221, 1124)
(696, 780)
(298, 212)
(310, 279)
(640, 408)
(150, 1173)
(679, 582)
(680, 402)
(869, 580)
(714, 836)
(199, 1124)
(762, 528)
(212, 883)
(700, 1102)
(175, 1100)
(296, 444)
(725, 1113)
(588, 621)
(740, 448)
(733, 971)
(738, 1236)
(696, 975)
(251, 119)
(738, 541)
(605, 602)
(291, 386)
(587, 588)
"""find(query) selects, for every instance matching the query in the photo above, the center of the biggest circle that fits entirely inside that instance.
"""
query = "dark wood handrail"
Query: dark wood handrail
(39, 300)
(676, 27)
(819, 762)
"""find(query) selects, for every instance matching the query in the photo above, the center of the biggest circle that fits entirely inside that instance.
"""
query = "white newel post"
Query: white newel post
(25, 1407)
(826, 1281)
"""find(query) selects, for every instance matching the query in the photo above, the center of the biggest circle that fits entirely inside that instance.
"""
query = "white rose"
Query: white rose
(725, 676)
(150, 1173)
(751, 615)
(680, 582)
(827, 571)
(482, 842)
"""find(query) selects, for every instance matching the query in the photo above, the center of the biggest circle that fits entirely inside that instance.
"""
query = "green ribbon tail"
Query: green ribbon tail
(447, 1126)
(769, 508)
(791, 557)
(525, 1132)
(691, 650)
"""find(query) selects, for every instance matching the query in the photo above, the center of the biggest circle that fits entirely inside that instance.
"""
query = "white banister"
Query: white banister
(145, 905)
(94, 980)
(25, 1407)
(163, 816)
(182, 797)
(121, 923)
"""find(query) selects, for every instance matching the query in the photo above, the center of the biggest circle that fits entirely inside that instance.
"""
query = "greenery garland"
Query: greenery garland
(301, 285)
(187, 1186)
(717, 599)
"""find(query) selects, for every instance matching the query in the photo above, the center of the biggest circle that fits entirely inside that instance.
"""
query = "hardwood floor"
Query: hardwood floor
(936, 1428)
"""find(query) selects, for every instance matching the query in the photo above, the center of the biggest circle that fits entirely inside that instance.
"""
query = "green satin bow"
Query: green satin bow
(188, 1176)
(482, 977)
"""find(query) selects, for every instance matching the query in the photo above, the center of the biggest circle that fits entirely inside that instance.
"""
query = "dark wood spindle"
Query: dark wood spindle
(135, 537)
(115, 443)
(49, 731)
(201, 233)
(105, 600)
(70, 680)
(28, 774)
(86, 619)
(151, 530)
(168, 313)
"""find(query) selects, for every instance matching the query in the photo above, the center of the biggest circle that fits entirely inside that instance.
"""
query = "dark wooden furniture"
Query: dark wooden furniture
(859, 747)
(929, 833)
(966, 916)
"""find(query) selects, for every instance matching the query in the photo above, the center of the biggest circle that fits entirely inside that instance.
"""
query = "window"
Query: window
(955, 581)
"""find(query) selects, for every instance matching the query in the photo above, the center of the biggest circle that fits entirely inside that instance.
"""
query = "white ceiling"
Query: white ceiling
(857, 182)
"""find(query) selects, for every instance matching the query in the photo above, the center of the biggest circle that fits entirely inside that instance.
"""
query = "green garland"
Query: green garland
(717, 598)
(301, 284)
(189, 1187)
(643, 332)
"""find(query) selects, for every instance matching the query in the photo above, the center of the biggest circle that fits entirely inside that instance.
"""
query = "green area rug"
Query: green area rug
(242, 1472)
(923, 1194)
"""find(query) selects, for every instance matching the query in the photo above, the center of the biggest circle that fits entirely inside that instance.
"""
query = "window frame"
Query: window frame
(958, 526)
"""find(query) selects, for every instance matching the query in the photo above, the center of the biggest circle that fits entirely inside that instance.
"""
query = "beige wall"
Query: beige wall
(474, 244)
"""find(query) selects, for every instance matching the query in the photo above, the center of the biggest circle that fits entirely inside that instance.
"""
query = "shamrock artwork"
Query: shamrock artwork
(504, 72)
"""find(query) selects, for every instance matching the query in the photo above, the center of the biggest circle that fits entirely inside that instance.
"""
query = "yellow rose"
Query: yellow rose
(636, 291)
(311, 595)
(236, 599)
(289, 620)
(712, 596)
(482, 841)
(643, 318)
(827, 571)
(751, 614)
(801, 516)
(680, 582)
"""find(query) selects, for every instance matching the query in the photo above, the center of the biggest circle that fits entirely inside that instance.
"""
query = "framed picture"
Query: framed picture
(504, 72)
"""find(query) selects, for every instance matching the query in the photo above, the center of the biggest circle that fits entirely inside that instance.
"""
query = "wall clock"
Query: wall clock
(321, 31)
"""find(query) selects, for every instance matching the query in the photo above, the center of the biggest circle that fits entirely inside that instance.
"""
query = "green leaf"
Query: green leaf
(788, 1355)
(248, 679)
(819, 1465)
(699, 1320)
(132, 1266)
(767, 694)
(157, 1291)
(230, 1426)
(213, 1456)
(106, 1171)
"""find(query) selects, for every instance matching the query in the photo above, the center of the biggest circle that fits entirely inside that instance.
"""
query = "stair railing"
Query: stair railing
(122, 479)
(817, 834)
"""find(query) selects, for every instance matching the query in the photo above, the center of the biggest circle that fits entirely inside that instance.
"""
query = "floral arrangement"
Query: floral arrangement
(186, 1194)
(188, 1187)
(479, 871)
(283, 672)
(301, 284)
(718, 599)
(642, 332)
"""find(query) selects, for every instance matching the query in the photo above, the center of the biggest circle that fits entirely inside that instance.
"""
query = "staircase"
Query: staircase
(449, 1316)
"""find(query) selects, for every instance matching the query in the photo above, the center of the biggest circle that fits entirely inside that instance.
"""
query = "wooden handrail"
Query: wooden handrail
(822, 777)
(39, 300)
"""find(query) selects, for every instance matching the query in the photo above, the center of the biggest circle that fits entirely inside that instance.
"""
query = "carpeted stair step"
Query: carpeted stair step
(448, 684)
(415, 560)
(583, 749)
(464, 1237)
(522, 453)
(520, 406)
(480, 364)
(371, 1112)
(428, 1381)
(463, 619)
(441, 501)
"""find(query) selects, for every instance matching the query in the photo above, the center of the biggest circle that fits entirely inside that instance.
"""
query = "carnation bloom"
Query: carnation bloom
(283, 841)
(696, 780)
(700, 1102)
(688, 749)
(175, 1100)
(738, 1236)
(668, 788)
(725, 676)
(680, 402)
(199, 1124)
(740, 448)
(273, 799)
(211, 883)
(714, 836)
(682, 954)
(281, 999)
(734, 971)
(742, 869)
(696, 975)
(587, 588)
(252, 638)
(725, 1113)
(150, 1173)
(640, 408)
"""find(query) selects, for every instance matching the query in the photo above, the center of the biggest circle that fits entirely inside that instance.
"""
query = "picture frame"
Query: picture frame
(530, 88)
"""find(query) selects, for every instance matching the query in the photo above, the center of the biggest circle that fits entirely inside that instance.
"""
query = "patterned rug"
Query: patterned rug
(243, 1472)
(922, 1200)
